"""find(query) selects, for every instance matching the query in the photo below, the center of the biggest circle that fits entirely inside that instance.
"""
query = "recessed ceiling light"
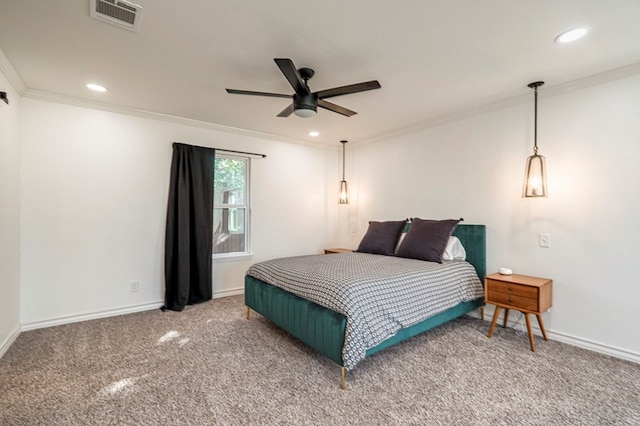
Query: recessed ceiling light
(572, 35)
(314, 133)
(96, 87)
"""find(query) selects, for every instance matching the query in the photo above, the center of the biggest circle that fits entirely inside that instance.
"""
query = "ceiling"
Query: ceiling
(434, 58)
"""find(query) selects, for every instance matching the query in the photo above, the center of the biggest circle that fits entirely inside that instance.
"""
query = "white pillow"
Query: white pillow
(454, 250)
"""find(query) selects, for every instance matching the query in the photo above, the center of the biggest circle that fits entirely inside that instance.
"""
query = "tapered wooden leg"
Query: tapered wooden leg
(506, 318)
(248, 312)
(343, 375)
(482, 313)
(496, 314)
(541, 324)
(528, 320)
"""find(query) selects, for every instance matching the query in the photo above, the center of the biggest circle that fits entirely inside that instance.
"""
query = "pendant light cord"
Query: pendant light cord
(535, 86)
(343, 144)
(535, 121)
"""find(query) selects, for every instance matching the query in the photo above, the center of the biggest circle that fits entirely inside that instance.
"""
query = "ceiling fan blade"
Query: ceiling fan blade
(286, 112)
(249, 92)
(345, 90)
(291, 73)
(335, 108)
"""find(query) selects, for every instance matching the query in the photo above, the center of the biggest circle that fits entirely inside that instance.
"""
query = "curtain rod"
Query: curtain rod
(224, 150)
(241, 152)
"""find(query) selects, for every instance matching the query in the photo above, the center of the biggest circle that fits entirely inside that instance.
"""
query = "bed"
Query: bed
(328, 326)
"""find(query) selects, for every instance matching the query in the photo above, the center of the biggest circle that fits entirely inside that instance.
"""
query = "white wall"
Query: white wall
(94, 187)
(474, 167)
(9, 216)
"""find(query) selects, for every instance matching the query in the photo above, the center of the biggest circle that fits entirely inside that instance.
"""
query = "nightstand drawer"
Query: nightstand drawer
(512, 288)
(513, 301)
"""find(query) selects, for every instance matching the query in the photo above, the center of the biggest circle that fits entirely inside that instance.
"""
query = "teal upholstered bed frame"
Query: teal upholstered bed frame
(323, 329)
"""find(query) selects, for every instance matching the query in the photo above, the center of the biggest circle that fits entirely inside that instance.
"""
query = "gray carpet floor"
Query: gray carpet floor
(209, 365)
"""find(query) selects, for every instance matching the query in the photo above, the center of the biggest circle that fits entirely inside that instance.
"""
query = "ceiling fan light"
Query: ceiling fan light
(305, 105)
(304, 112)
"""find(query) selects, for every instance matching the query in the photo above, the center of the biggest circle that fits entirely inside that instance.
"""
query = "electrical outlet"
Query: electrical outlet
(544, 240)
(134, 286)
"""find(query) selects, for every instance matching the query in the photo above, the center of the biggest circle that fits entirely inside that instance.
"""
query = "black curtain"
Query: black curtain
(189, 233)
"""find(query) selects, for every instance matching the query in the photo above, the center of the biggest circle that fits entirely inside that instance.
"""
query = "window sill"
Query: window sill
(233, 257)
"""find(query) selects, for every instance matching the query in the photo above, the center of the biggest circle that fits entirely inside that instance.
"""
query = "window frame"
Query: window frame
(247, 253)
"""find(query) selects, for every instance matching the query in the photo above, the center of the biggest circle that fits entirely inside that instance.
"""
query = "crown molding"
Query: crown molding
(84, 103)
(6, 67)
(550, 91)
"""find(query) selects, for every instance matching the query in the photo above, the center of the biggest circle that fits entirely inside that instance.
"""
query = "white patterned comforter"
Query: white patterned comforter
(379, 295)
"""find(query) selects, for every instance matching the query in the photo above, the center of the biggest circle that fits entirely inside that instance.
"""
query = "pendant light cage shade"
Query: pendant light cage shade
(343, 198)
(535, 173)
(535, 177)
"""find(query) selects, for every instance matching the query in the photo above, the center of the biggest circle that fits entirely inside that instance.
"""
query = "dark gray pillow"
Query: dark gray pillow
(381, 237)
(427, 239)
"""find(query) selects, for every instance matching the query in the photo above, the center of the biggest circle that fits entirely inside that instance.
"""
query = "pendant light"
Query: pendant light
(535, 175)
(343, 183)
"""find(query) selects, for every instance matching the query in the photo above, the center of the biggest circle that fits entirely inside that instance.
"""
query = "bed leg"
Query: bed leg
(248, 312)
(343, 374)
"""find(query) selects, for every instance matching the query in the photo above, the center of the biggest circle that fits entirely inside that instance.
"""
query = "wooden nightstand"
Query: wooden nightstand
(529, 295)
(337, 250)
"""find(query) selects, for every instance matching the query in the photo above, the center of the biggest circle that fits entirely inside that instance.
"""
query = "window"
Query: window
(230, 206)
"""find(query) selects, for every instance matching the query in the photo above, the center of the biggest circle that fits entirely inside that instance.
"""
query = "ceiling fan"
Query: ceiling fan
(305, 102)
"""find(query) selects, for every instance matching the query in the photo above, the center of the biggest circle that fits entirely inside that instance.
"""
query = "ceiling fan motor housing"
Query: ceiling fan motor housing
(305, 105)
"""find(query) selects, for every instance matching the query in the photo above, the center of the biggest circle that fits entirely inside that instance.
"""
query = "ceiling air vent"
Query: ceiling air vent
(118, 12)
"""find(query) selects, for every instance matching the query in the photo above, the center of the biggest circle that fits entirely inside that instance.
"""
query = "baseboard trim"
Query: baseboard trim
(594, 346)
(562, 337)
(230, 292)
(90, 316)
(113, 312)
(9, 341)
